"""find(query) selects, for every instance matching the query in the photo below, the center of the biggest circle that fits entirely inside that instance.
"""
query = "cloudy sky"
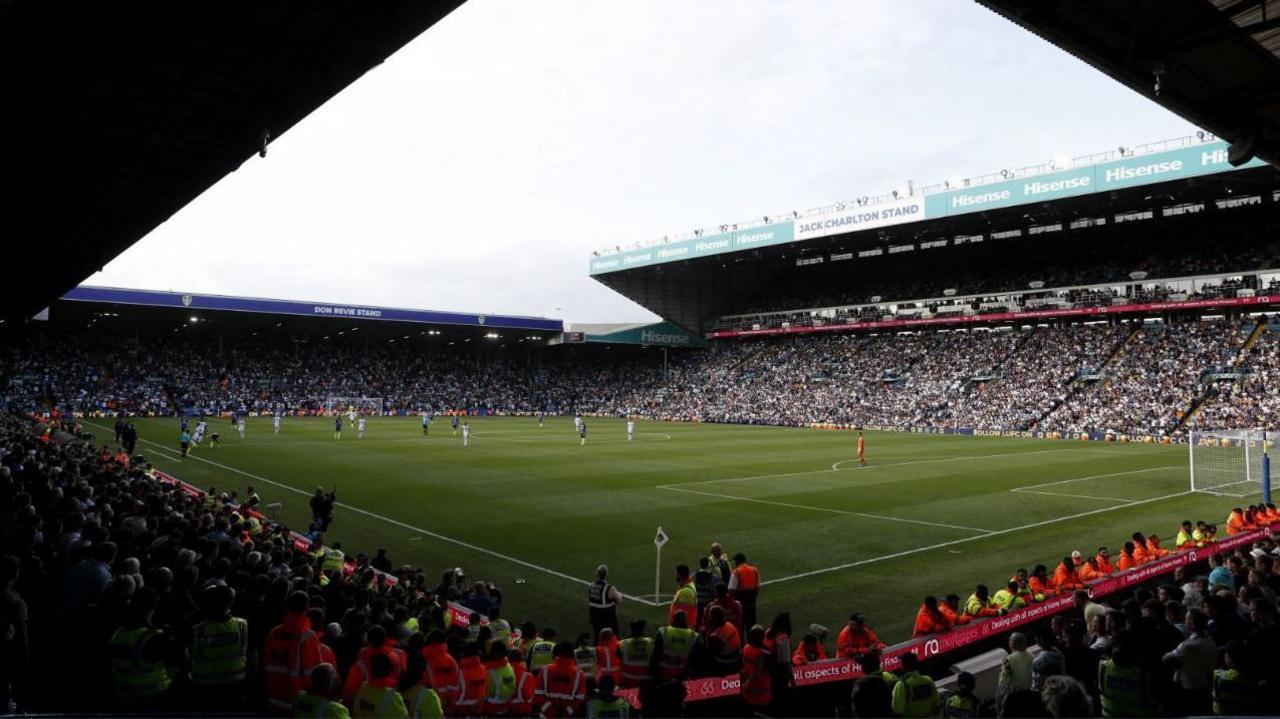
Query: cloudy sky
(478, 168)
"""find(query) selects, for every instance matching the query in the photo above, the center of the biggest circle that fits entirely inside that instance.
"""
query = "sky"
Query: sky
(478, 168)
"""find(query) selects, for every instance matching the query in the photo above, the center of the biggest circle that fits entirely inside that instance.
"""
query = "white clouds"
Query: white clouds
(477, 168)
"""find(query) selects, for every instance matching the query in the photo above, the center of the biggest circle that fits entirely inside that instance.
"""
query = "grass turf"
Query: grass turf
(930, 514)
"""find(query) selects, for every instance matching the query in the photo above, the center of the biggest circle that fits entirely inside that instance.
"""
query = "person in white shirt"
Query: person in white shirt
(198, 437)
(466, 435)
(240, 426)
(275, 422)
(1195, 659)
(631, 430)
(360, 428)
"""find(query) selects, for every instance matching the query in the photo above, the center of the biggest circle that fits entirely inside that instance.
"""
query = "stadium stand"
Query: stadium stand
(133, 567)
(70, 500)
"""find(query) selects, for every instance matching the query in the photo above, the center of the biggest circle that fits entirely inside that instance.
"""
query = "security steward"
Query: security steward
(316, 702)
(745, 585)
(602, 602)
(219, 652)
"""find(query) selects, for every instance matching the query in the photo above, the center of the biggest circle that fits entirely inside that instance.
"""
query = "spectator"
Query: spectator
(1049, 662)
(1015, 669)
(1195, 660)
(873, 691)
(1065, 697)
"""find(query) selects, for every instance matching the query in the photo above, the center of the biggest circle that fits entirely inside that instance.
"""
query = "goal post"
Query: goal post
(363, 405)
(1230, 463)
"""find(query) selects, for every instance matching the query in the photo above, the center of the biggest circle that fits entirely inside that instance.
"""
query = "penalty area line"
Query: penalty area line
(954, 542)
(829, 510)
(403, 525)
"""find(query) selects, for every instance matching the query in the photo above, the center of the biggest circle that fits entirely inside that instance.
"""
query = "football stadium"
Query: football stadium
(991, 445)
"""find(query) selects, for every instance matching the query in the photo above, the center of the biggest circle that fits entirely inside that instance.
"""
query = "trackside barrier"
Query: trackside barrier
(934, 645)
(926, 647)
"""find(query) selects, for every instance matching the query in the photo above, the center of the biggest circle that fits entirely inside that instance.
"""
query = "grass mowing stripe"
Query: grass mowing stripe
(952, 543)
(829, 510)
(396, 522)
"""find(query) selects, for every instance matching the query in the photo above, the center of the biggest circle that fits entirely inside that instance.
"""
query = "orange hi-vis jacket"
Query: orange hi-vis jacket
(852, 644)
(1154, 550)
(442, 674)
(562, 688)
(748, 578)
(1041, 587)
(955, 618)
(1065, 579)
(757, 681)
(526, 690)
(1127, 561)
(1104, 565)
(291, 651)
(359, 672)
(1087, 573)
(475, 679)
(1273, 516)
(608, 663)
(1236, 523)
(800, 657)
(930, 622)
(1140, 554)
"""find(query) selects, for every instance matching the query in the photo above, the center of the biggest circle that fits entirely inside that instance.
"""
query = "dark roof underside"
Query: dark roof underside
(1213, 62)
(117, 114)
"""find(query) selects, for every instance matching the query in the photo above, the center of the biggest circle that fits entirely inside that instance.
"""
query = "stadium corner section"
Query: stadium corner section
(926, 647)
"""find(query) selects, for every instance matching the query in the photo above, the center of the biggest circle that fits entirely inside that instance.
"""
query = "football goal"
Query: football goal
(1230, 463)
(360, 405)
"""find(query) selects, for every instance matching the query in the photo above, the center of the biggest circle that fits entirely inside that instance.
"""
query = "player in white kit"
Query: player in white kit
(631, 430)
(198, 437)
(360, 428)
(240, 426)
(275, 422)
(466, 435)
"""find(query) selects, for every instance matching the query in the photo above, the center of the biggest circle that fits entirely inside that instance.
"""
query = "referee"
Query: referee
(602, 603)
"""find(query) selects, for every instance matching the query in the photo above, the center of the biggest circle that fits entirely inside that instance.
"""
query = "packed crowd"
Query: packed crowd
(1133, 379)
(178, 601)
(1153, 381)
(1096, 256)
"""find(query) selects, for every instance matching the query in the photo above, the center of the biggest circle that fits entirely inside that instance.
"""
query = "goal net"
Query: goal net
(360, 405)
(1227, 462)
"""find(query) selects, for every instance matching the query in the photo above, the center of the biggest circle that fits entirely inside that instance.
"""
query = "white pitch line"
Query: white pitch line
(1073, 496)
(1094, 476)
(836, 467)
(410, 527)
(829, 510)
(952, 543)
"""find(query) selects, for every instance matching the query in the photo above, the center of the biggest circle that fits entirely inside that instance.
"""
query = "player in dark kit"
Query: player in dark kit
(337, 426)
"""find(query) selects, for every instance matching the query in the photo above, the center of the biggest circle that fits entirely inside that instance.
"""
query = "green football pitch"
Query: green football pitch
(533, 511)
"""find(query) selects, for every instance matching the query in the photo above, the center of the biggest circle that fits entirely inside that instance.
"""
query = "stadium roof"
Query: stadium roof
(190, 304)
(716, 269)
(123, 112)
(1214, 62)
